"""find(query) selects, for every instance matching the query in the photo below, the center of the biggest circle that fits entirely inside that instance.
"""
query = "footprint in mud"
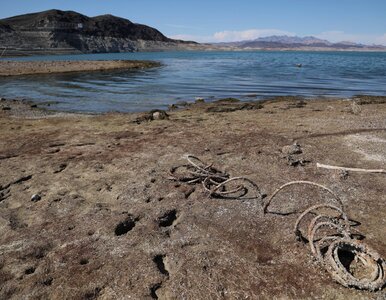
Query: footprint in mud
(168, 219)
(162, 264)
(153, 290)
(125, 226)
(160, 260)
(84, 261)
(4, 194)
(60, 168)
(30, 271)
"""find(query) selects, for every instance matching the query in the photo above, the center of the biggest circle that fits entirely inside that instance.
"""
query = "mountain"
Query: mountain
(56, 31)
(285, 42)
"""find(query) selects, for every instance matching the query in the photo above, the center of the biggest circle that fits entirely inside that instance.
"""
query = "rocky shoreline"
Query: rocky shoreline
(88, 208)
(14, 68)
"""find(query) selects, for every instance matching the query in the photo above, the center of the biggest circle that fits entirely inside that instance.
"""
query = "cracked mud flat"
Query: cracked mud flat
(111, 225)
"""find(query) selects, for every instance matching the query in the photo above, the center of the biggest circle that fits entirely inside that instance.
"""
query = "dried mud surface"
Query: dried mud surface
(13, 68)
(111, 225)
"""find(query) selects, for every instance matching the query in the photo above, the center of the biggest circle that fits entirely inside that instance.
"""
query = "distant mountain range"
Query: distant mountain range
(56, 31)
(297, 43)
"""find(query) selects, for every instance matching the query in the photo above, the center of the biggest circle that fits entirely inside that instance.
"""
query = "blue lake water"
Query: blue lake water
(211, 75)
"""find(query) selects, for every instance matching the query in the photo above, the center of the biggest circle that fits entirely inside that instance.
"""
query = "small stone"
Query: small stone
(292, 149)
(160, 115)
(36, 197)
(6, 108)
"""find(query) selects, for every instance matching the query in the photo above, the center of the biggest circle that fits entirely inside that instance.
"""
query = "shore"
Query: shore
(13, 68)
(88, 210)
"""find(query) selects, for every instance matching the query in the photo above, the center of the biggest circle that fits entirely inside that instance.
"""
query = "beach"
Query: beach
(88, 208)
(13, 68)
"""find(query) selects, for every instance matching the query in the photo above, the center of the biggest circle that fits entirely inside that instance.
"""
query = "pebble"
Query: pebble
(160, 115)
(292, 149)
(36, 197)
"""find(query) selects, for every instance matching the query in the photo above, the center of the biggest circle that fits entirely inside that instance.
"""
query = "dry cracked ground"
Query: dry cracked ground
(88, 211)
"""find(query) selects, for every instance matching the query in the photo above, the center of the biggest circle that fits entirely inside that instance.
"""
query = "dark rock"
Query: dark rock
(295, 162)
(6, 108)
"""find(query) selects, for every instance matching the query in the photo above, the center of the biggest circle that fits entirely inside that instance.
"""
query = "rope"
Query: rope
(336, 243)
(220, 185)
(217, 183)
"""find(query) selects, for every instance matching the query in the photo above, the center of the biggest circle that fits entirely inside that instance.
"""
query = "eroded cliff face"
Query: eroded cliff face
(56, 31)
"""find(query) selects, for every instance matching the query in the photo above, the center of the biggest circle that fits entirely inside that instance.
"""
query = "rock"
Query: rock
(160, 115)
(156, 114)
(6, 108)
(36, 198)
(295, 162)
(292, 149)
(2, 99)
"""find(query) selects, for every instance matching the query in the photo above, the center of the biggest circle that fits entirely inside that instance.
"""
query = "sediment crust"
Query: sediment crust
(87, 209)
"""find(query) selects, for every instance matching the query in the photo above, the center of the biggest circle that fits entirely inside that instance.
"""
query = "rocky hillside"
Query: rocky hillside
(56, 31)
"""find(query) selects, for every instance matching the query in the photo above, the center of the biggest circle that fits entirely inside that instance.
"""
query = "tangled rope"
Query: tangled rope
(337, 249)
(218, 184)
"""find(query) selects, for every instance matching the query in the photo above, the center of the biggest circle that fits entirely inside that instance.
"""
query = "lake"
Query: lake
(185, 76)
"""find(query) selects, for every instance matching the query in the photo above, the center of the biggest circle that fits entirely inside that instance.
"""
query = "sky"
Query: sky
(362, 21)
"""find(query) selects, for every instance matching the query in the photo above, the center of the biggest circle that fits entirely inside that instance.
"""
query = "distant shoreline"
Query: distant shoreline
(199, 48)
(14, 68)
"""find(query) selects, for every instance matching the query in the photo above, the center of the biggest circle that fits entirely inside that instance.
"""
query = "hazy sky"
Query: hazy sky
(226, 20)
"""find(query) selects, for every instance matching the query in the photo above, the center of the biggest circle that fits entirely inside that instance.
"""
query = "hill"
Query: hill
(56, 31)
